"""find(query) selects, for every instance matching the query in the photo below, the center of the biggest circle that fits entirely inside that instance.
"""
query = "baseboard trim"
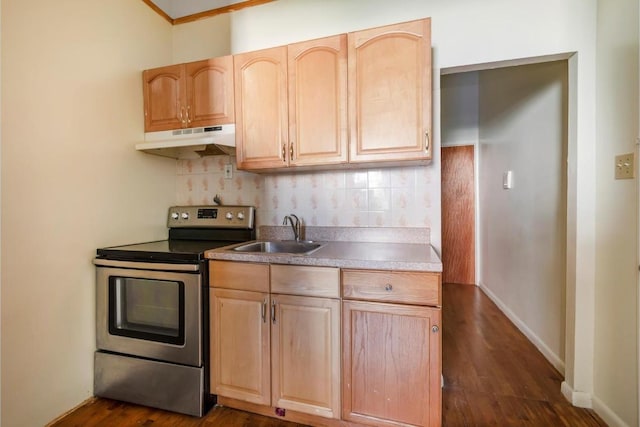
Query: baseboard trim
(577, 398)
(607, 414)
(553, 358)
(88, 401)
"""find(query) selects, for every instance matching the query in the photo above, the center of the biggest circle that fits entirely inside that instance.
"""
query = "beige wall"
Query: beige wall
(71, 182)
(207, 38)
(616, 337)
(522, 230)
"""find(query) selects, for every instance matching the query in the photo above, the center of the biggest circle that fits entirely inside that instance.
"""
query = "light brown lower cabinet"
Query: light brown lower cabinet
(391, 364)
(276, 350)
(240, 342)
(305, 351)
(273, 352)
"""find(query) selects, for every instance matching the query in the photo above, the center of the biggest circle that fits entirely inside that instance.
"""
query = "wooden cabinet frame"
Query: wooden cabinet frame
(193, 94)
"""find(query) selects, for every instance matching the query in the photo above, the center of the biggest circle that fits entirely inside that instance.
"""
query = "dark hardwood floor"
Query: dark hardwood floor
(493, 376)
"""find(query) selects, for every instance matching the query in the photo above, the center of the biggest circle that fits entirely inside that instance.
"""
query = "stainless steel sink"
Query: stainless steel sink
(280, 247)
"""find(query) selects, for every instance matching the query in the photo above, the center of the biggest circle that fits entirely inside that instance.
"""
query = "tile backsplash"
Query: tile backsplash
(384, 197)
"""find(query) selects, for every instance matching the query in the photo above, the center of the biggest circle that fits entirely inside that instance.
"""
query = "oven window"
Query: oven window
(147, 309)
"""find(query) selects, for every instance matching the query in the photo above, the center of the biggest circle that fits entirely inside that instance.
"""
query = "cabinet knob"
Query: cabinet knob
(435, 329)
(388, 287)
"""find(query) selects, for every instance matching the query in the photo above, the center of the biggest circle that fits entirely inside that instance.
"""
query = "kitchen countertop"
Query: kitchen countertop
(389, 252)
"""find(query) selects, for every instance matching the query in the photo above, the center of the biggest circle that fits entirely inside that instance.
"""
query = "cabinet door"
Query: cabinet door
(317, 74)
(306, 355)
(390, 92)
(391, 364)
(240, 359)
(164, 92)
(209, 91)
(261, 108)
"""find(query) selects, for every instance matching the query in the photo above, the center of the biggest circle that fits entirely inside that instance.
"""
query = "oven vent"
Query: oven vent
(191, 143)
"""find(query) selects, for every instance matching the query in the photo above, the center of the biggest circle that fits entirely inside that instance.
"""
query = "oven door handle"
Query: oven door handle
(145, 265)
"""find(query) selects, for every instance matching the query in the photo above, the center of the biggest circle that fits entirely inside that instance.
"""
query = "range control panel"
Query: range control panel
(211, 216)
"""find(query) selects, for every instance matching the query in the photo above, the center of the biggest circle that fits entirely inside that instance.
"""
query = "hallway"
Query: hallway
(493, 375)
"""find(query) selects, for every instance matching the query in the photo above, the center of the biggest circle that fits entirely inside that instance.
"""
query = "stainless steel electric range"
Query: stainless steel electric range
(152, 316)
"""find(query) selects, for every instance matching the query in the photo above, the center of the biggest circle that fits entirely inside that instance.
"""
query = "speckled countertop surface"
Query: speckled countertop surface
(369, 248)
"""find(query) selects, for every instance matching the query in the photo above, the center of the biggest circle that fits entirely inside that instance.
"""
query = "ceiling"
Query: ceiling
(180, 11)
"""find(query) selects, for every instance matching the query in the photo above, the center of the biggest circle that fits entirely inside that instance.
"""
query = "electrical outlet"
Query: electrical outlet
(228, 171)
(625, 167)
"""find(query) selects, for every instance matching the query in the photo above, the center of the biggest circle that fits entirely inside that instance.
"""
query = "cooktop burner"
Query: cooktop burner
(192, 231)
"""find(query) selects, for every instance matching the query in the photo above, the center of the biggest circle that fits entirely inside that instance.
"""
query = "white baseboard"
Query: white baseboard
(553, 358)
(577, 398)
(607, 414)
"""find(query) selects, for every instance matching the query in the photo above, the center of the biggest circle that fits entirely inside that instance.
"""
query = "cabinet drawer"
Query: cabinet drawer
(244, 276)
(306, 281)
(392, 286)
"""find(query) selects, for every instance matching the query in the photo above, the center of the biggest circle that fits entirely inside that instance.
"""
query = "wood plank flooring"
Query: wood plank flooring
(493, 376)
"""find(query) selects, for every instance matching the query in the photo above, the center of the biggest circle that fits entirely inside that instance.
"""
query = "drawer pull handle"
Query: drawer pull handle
(435, 329)
(388, 287)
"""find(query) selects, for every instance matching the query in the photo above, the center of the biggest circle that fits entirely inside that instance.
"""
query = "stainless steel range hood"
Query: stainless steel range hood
(191, 143)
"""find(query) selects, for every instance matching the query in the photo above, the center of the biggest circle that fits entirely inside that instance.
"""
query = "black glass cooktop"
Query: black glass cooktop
(162, 250)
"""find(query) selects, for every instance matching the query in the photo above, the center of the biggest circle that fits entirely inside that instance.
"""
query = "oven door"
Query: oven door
(148, 313)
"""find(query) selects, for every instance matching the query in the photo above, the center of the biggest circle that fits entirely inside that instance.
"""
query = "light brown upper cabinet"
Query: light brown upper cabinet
(261, 108)
(390, 93)
(188, 95)
(292, 106)
(318, 101)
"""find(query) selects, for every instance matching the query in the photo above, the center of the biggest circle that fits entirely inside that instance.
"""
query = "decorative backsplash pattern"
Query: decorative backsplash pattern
(385, 197)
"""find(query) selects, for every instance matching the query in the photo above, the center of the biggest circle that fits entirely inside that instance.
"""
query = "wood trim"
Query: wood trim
(219, 11)
(293, 416)
(206, 13)
(159, 11)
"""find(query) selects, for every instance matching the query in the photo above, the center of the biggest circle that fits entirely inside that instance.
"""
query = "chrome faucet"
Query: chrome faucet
(295, 225)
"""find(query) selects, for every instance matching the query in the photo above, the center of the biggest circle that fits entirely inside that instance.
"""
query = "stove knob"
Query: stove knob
(240, 216)
(174, 215)
(185, 215)
(229, 216)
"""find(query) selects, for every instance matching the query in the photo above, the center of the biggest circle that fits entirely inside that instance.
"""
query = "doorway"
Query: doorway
(516, 120)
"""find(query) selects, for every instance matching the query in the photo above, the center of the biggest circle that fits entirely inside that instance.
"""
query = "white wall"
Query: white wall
(522, 231)
(459, 105)
(616, 337)
(71, 182)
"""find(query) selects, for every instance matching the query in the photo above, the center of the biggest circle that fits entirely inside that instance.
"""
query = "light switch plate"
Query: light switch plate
(507, 180)
(228, 171)
(625, 167)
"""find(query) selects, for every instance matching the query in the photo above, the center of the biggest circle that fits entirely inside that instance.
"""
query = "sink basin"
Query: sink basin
(279, 247)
